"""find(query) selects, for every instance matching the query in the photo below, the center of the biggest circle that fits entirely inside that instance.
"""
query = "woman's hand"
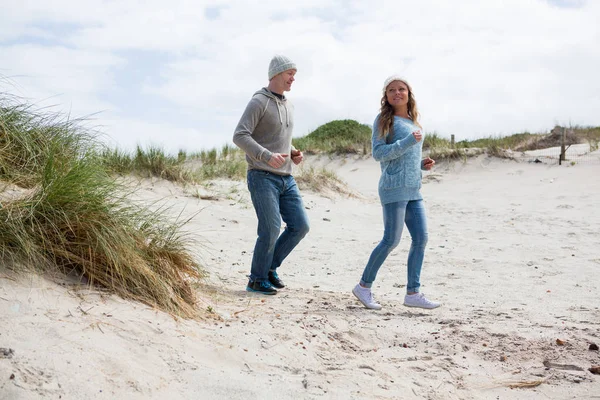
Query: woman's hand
(418, 136)
(428, 163)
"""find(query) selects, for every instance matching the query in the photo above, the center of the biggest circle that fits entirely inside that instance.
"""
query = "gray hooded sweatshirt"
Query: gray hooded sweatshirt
(266, 128)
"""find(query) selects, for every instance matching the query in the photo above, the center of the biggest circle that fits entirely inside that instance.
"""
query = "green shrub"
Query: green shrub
(337, 137)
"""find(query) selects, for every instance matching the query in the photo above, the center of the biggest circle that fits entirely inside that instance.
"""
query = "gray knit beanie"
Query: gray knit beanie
(279, 64)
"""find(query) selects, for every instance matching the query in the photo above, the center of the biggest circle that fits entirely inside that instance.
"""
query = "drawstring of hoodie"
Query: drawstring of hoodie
(287, 123)
(279, 112)
(287, 117)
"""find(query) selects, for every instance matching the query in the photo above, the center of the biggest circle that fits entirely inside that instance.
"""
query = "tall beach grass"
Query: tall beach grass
(74, 217)
(322, 180)
(228, 162)
(184, 168)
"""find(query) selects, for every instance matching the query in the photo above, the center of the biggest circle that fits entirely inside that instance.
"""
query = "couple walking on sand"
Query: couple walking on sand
(264, 133)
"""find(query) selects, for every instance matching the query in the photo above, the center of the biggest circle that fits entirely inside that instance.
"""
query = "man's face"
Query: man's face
(285, 79)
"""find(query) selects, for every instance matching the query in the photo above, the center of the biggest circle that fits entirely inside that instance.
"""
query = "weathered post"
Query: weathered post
(562, 146)
(452, 141)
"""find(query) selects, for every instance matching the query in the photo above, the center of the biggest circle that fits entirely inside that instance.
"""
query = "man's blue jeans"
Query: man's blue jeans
(275, 197)
(395, 215)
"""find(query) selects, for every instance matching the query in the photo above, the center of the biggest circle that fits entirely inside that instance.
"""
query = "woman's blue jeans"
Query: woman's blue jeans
(275, 197)
(395, 215)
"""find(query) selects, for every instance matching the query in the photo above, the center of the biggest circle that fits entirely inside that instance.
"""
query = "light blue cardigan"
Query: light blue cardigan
(399, 154)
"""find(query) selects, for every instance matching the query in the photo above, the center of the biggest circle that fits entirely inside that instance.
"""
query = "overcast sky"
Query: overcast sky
(179, 73)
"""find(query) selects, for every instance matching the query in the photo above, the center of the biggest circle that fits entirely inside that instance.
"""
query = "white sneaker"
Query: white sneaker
(419, 300)
(365, 296)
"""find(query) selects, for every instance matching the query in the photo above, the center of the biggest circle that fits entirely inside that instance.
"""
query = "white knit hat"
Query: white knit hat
(279, 64)
(392, 79)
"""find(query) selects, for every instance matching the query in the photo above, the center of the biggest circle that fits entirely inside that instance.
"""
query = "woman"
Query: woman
(397, 145)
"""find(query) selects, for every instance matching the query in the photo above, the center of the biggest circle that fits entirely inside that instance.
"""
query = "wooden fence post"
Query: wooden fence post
(452, 141)
(562, 146)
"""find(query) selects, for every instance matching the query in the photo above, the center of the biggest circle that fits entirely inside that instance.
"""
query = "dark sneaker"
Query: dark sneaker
(275, 281)
(263, 287)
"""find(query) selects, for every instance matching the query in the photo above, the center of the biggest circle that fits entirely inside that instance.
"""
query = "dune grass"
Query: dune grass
(495, 146)
(351, 137)
(435, 141)
(191, 168)
(76, 219)
(340, 137)
(26, 140)
(512, 142)
(592, 136)
(337, 137)
(184, 168)
(321, 180)
(532, 141)
(229, 162)
(147, 162)
(589, 134)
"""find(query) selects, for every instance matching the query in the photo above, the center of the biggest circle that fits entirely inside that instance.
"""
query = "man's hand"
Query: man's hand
(428, 163)
(297, 156)
(277, 160)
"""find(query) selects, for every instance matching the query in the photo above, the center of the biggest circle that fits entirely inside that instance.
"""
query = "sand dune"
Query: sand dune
(513, 255)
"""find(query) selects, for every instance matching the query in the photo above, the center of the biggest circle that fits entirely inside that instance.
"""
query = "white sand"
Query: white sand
(514, 255)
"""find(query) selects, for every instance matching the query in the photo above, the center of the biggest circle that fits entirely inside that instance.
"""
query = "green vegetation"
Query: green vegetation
(27, 140)
(146, 163)
(337, 137)
(532, 141)
(321, 180)
(184, 168)
(343, 137)
(435, 141)
(590, 135)
(70, 216)
(512, 142)
(500, 146)
(351, 137)
(229, 162)
(446, 153)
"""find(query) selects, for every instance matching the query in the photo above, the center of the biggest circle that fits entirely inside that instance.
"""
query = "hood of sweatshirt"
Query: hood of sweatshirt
(280, 103)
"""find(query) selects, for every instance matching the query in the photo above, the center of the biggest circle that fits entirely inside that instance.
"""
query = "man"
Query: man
(264, 133)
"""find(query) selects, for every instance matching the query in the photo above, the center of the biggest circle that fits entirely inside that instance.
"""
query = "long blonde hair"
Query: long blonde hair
(386, 115)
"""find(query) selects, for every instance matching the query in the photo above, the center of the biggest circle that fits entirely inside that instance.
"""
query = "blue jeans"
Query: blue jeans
(395, 215)
(275, 197)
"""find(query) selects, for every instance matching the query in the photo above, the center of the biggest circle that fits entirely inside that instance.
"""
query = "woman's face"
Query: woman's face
(397, 94)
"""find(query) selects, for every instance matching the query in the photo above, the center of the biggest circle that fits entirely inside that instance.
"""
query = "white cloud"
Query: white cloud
(128, 133)
(477, 68)
(55, 75)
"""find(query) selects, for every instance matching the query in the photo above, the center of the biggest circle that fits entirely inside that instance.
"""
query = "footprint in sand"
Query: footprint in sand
(40, 381)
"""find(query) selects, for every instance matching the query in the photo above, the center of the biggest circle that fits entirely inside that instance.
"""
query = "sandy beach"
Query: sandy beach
(513, 255)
